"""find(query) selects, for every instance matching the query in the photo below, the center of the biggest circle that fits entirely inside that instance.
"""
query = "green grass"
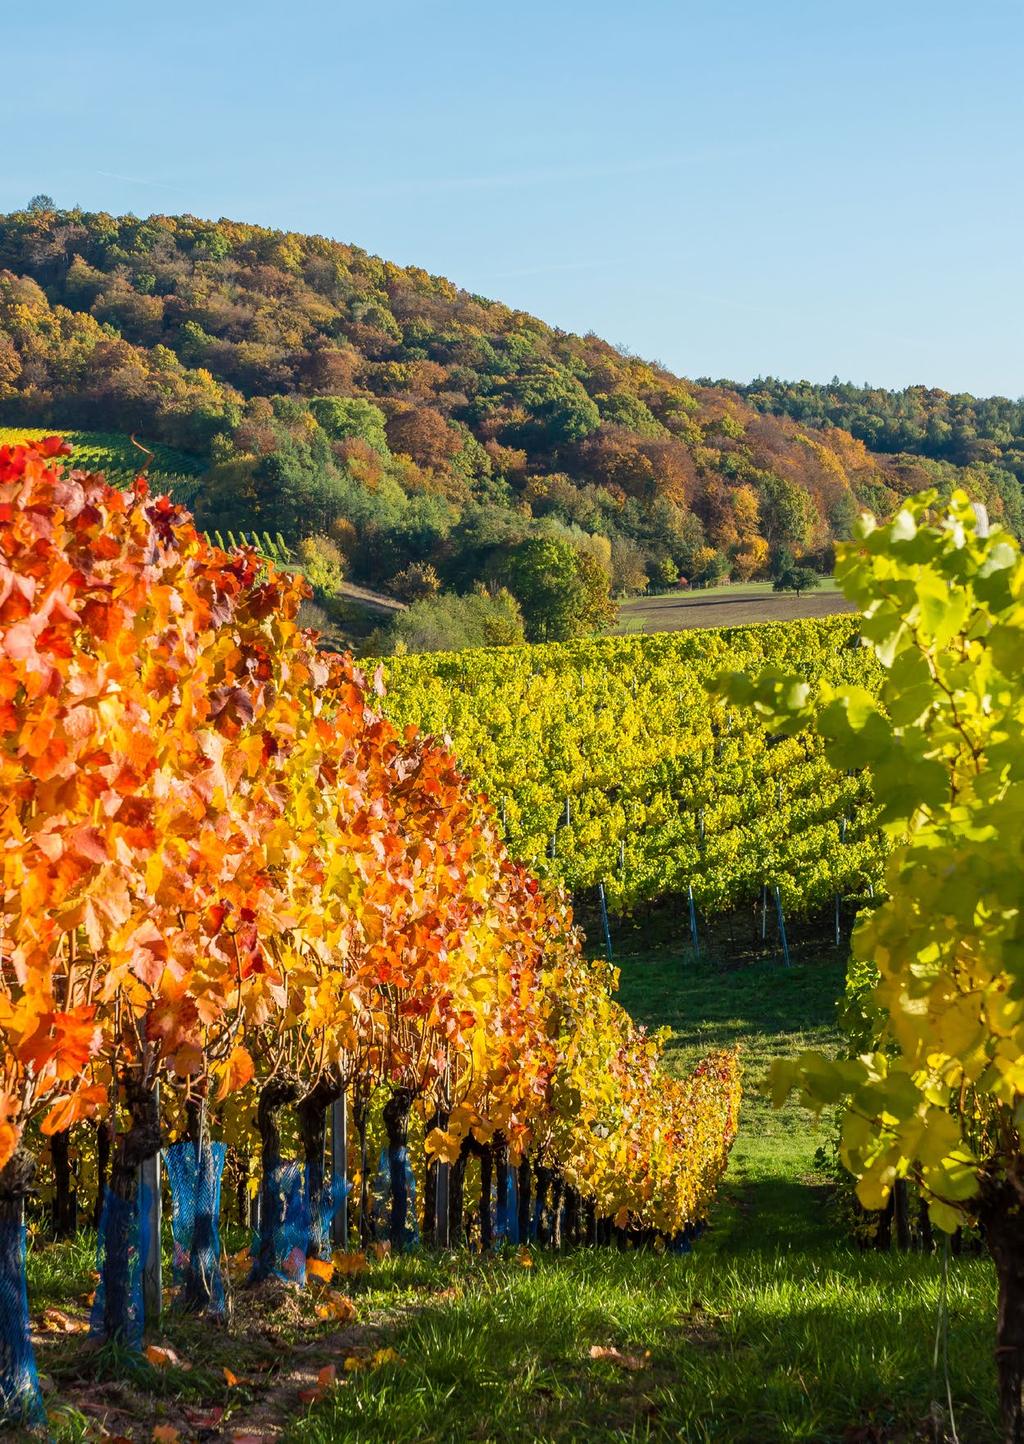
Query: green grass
(774, 1328)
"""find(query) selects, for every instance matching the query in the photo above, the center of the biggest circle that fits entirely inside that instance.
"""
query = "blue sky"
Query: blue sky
(733, 188)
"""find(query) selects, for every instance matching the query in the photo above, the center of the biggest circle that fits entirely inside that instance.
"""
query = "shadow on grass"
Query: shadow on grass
(775, 1343)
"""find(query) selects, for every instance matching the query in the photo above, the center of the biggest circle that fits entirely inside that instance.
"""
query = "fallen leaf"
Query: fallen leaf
(165, 1433)
(162, 1358)
(336, 1306)
(56, 1321)
(318, 1269)
(385, 1356)
(204, 1418)
(632, 1362)
(525, 1258)
(232, 1380)
(349, 1263)
(382, 1249)
(325, 1381)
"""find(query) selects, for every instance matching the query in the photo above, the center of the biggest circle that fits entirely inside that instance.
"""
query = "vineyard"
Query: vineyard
(610, 762)
(120, 459)
(239, 902)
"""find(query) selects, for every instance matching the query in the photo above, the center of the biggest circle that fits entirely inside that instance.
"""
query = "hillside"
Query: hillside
(961, 429)
(327, 392)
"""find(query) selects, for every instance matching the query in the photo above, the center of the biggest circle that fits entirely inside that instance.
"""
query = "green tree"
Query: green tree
(666, 573)
(560, 413)
(322, 565)
(451, 623)
(796, 579)
(344, 417)
(937, 1094)
(563, 593)
(786, 511)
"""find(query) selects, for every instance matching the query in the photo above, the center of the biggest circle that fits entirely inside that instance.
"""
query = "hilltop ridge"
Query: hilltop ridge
(327, 392)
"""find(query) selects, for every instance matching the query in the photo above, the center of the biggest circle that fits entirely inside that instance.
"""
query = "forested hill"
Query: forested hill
(955, 427)
(428, 434)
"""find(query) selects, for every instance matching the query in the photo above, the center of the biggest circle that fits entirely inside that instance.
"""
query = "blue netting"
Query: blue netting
(506, 1212)
(686, 1238)
(279, 1248)
(322, 1209)
(195, 1179)
(118, 1310)
(20, 1399)
(380, 1212)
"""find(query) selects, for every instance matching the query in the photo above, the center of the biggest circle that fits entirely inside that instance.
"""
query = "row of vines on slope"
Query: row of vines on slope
(231, 888)
(610, 762)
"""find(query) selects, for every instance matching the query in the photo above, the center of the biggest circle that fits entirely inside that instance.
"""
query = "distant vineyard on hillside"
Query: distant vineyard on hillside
(120, 459)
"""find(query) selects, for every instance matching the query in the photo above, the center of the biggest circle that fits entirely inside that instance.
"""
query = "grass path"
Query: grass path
(773, 1329)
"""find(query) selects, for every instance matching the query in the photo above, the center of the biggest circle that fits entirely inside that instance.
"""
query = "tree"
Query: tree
(415, 583)
(453, 623)
(796, 579)
(666, 573)
(751, 558)
(629, 570)
(709, 567)
(351, 417)
(786, 511)
(423, 433)
(937, 1093)
(41, 203)
(563, 593)
(559, 411)
(322, 565)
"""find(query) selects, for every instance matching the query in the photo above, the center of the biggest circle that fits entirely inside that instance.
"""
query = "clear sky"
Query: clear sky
(735, 188)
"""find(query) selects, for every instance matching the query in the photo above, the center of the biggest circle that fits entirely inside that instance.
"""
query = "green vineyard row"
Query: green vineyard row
(608, 761)
(120, 460)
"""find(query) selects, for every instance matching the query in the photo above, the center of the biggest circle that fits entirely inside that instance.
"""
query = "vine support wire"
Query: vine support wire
(604, 920)
(782, 926)
(694, 936)
(339, 1167)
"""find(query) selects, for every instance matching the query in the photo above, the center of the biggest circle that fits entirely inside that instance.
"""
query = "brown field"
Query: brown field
(727, 607)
